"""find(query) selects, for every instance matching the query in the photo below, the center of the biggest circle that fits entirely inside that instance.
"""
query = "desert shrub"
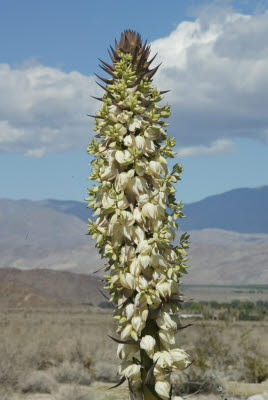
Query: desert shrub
(190, 382)
(43, 353)
(71, 373)
(5, 393)
(105, 371)
(39, 382)
(255, 366)
(9, 372)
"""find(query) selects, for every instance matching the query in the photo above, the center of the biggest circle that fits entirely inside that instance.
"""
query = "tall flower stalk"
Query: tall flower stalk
(134, 202)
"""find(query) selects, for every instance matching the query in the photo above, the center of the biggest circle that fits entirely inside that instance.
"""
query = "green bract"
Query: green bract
(135, 209)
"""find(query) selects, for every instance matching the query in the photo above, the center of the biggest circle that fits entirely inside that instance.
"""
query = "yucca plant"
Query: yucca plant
(134, 202)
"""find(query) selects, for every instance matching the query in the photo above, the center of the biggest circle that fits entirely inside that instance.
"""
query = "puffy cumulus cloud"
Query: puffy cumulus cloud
(44, 109)
(217, 68)
(219, 146)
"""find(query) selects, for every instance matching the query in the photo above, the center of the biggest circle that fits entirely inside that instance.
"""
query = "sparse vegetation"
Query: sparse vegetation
(39, 382)
(65, 345)
(72, 373)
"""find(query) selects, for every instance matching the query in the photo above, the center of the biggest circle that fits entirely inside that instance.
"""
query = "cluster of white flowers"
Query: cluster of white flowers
(135, 207)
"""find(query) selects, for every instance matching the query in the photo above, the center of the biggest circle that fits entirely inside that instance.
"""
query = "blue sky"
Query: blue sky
(215, 60)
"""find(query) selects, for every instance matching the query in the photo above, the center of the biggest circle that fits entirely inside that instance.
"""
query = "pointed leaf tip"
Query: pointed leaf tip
(122, 380)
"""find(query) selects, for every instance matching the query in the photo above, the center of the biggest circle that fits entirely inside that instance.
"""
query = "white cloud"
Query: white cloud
(216, 68)
(219, 146)
(44, 109)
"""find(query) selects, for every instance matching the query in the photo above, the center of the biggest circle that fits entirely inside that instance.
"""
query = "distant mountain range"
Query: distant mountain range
(240, 210)
(229, 237)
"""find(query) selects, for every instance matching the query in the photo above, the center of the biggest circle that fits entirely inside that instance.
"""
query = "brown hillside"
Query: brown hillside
(14, 294)
(67, 287)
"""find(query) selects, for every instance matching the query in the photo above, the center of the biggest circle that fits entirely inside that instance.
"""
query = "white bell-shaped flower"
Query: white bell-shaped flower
(148, 343)
(165, 322)
(167, 336)
(158, 261)
(179, 355)
(135, 123)
(127, 350)
(129, 310)
(140, 142)
(126, 331)
(124, 116)
(127, 280)
(164, 289)
(144, 247)
(129, 140)
(160, 373)
(142, 283)
(135, 267)
(154, 168)
(162, 388)
(136, 186)
(130, 370)
(163, 359)
(138, 215)
(123, 156)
